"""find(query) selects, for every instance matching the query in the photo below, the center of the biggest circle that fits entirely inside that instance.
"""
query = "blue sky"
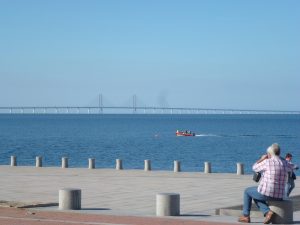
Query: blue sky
(209, 54)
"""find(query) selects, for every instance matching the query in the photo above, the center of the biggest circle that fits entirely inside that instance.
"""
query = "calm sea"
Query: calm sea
(222, 140)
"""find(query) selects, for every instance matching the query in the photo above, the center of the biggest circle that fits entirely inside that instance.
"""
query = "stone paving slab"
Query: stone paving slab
(128, 192)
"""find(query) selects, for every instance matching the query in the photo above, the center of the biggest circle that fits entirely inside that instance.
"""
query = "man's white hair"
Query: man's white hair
(274, 149)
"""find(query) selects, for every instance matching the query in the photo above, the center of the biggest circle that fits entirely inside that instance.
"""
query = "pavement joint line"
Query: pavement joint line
(58, 221)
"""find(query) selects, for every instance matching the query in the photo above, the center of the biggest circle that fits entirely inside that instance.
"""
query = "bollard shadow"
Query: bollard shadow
(100, 209)
(194, 215)
(38, 205)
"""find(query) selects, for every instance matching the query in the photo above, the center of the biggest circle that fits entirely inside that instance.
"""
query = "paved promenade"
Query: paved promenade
(108, 192)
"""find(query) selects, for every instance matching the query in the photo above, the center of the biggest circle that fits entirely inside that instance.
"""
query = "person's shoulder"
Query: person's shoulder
(284, 162)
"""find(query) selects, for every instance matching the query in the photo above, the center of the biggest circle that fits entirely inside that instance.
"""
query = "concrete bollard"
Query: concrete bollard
(119, 165)
(283, 211)
(13, 160)
(177, 166)
(38, 161)
(239, 168)
(167, 204)
(91, 163)
(69, 198)
(207, 167)
(147, 165)
(64, 162)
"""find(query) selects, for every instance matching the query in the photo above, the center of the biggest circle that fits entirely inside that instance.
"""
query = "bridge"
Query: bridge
(132, 108)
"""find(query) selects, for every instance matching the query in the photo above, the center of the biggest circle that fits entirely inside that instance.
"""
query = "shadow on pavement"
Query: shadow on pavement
(95, 209)
(194, 215)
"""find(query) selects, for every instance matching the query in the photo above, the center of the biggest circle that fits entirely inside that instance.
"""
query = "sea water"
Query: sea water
(222, 140)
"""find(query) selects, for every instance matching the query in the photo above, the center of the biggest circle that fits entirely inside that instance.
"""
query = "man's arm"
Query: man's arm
(260, 164)
(262, 158)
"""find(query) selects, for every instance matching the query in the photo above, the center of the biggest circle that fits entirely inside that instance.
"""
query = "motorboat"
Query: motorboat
(186, 133)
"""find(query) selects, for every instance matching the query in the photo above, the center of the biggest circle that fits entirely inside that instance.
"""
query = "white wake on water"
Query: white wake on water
(206, 135)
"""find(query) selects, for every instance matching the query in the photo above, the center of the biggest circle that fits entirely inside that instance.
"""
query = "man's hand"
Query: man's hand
(262, 158)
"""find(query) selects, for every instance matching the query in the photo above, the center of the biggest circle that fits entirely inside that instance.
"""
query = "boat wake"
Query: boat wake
(245, 136)
(206, 135)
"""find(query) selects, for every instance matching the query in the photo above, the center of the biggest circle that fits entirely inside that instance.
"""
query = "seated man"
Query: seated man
(274, 171)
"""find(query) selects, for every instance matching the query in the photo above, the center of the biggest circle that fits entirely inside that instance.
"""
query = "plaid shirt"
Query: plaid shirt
(274, 175)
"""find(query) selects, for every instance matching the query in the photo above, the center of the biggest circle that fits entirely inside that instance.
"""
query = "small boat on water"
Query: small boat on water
(185, 133)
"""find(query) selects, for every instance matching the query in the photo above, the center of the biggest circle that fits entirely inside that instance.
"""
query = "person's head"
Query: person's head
(273, 150)
(288, 156)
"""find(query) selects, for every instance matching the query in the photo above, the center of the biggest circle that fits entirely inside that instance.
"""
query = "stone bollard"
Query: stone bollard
(239, 168)
(147, 165)
(207, 167)
(64, 162)
(283, 211)
(167, 204)
(13, 160)
(119, 165)
(69, 198)
(91, 163)
(177, 166)
(38, 161)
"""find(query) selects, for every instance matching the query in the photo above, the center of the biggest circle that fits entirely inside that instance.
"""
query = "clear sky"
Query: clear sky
(188, 53)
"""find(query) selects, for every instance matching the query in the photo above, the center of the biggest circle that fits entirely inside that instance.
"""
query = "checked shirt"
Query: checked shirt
(274, 176)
